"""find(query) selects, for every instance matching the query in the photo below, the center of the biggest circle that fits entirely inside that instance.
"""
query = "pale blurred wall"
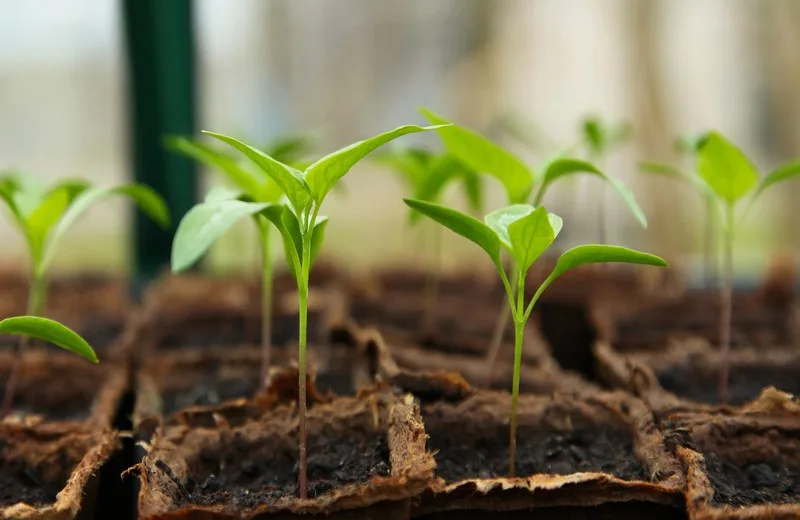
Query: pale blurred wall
(348, 68)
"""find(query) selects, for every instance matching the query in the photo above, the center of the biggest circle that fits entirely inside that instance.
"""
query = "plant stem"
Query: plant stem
(497, 336)
(302, 290)
(710, 257)
(726, 306)
(519, 330)
(266, 301)
(36, 299)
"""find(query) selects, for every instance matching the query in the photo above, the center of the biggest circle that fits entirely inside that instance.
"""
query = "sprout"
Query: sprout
(43, 216)
(525, 232)
(301, 227)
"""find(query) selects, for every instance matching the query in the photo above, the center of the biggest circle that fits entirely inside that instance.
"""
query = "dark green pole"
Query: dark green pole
(161, 93)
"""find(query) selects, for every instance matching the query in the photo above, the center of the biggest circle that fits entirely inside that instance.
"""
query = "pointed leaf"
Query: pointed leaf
(594, 254)
(50, 331)
(464, 225)
(531, 235)
(562, 167)
(483, 156)
(499, 220)
(52, 207)
(439, 172)
(7, 190)
(289, 179)
(323, 174)
(672, 172)
(726, 169)
(785, 172)
(203, 225)
(409, 163)
(218, 193)
(147, 199)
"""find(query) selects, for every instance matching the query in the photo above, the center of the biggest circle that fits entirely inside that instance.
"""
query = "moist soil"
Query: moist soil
(557, 452)
(699, 383)
(209, 392)
(20, 484)
(251, 477)
(751, 484)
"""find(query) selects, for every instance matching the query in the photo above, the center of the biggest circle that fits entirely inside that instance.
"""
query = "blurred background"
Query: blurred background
(523, 72)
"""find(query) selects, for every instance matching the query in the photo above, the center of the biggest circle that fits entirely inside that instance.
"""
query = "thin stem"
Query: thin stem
(266, 301)
(36, 300)
(726, 304)
(500, 329)
(519, 330)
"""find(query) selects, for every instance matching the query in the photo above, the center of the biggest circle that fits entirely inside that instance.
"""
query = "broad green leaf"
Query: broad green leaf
(464, 225)
(7, 191)
(218, 193)
(726, 169)
(499, 220)
(531, 235)
(50, 331)
(246, 180)
(289, 179)
(203, 225)
(785, 172)
(483, 156)
(439, 172)
(594, 254)
(323, 174)
(147, 199)
(51, 209)
(562, 167)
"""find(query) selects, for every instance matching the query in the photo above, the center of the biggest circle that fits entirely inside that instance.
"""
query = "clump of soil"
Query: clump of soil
(253, 475)
(753, 483)
(699, 382)
(605, 450)
(20, 484)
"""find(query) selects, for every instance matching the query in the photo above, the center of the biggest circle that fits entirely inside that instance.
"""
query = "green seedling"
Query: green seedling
(425, 175)
(301, 227)
(688, 146)
(43, 216)
(522, 185)
(525, 232)
(731, 177)
(600, 138)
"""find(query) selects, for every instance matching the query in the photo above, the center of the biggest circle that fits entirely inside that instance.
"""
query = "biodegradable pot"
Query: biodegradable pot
(89, 394)
(51, 472)
(745, 466)
(573, 451)
(367, 459)
(685, 376)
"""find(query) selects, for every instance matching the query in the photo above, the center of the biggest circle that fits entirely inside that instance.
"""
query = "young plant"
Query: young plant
(525, 232)
(522, 185)
(600, 138)
(301, 227)
(43, 216)
(731, 177)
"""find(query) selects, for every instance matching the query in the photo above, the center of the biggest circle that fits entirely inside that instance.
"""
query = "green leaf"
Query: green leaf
(440, 171)
(203, 225)
(594, 254)
(726, 169)
(690, 144)
(473, 190)
(785, 172)
(8, 189)
(483, 156)
(323, 174)
(531, 235)
(52, 207)
(289, 179)
(219, 193)
(410, 164)
(499, 220)
(290, 149)
(50, 331)
(665, 170)
(464, 225)
(562, 167)
(317, 237)
(147, 199)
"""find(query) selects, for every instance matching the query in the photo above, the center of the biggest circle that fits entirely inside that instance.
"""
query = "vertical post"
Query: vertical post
(161, 92)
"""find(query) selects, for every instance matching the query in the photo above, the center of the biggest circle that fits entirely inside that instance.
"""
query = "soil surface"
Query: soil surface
(253, 476)
(209, 392)
(699, 383)
(558, 452)
(758, 483)
(632, 510)
(20, 484)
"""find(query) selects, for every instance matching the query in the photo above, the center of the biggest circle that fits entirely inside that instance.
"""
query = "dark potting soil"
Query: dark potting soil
(210, 391)
(632, 510)
(20, 484)
(699, 383)
(750, 484)
(558, 452)
(251, 477)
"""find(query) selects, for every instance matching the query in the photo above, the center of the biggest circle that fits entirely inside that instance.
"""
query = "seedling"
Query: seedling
(525, 232)
(425, 176)
(301, 227)
(600, 138)
(731, 177)
(688, 146)
(51, 331)
(43, 216)
(522, 185)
